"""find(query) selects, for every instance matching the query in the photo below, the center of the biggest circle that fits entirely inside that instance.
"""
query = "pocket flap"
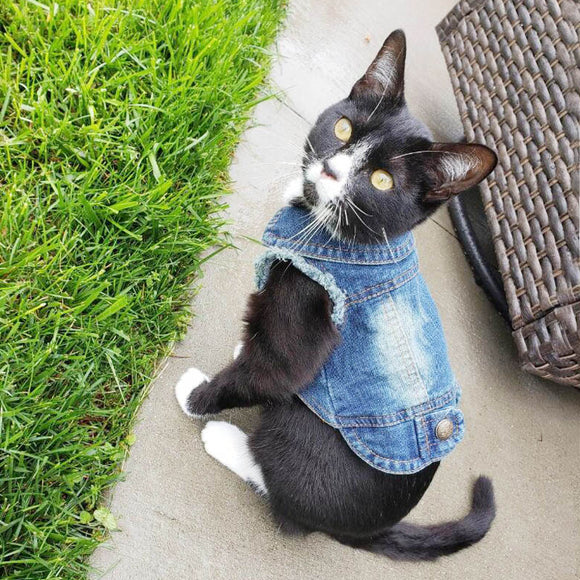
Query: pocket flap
(408, 446)
(439, 432)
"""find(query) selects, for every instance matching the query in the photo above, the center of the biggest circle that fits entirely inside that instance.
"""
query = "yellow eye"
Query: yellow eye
(382, 180)
(343, 129)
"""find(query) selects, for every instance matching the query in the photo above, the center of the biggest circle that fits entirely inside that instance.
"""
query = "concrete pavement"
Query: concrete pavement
(184, 516)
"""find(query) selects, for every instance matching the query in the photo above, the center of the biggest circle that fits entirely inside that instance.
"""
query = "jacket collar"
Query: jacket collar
(289, 229)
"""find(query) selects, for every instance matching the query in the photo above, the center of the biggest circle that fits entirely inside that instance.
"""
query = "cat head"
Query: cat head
(371, 169)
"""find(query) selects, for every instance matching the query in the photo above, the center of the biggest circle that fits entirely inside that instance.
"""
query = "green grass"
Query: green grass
(118, 120)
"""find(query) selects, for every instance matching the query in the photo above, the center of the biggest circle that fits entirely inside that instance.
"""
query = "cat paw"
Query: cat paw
(238, 350)
(225, 442)
(229, 445)
(189, 381)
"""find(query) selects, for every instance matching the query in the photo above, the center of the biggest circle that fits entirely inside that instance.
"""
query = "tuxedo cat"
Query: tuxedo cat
(334, 290)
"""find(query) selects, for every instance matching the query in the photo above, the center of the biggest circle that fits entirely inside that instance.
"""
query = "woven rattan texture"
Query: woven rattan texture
(515, 69)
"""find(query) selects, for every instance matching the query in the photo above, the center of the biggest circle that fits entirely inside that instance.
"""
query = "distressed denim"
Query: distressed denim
(388, 387)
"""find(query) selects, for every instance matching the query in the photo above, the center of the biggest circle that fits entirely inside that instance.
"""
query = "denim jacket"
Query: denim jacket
(388, 387)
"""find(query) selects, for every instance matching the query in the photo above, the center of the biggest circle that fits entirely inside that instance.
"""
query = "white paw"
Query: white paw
(190, 380)
(294, 190)
(238, 350)
(229, 445)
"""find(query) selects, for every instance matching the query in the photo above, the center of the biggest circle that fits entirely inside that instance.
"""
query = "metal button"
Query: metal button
(444, 429)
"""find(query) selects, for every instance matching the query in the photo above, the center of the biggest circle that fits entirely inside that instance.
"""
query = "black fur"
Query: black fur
(288, 336)
(314, 481)
(398, 143)
(405, 541)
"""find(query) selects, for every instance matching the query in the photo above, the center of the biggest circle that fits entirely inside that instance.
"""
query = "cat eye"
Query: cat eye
(343, 129)
(382, 180)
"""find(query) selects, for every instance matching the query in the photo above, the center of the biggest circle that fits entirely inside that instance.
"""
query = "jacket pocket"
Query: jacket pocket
(439, 432)
(408, 446)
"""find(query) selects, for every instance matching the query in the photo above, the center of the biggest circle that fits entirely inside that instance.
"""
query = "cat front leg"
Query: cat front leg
(191, 380)
(198, 395)
(288, 336)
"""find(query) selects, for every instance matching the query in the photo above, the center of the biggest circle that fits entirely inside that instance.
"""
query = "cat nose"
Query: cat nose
(327, 171)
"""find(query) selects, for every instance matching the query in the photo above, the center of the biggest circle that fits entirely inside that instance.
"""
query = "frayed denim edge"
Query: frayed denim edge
(326, 280)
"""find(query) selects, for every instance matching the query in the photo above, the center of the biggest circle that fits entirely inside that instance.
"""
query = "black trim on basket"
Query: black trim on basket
(485, 275)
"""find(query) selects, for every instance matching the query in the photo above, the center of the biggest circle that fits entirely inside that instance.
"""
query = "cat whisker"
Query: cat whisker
(318, 225)
(309, 144)
(292, 163)
(350, 202)
(451, 153)
(338, 208)
(310, 227)
(358, 208)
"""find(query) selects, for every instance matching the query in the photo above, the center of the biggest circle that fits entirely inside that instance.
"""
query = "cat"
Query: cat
(371, 173)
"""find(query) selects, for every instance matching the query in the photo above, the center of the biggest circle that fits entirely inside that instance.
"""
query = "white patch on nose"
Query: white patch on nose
(330, 188)
(342, 166)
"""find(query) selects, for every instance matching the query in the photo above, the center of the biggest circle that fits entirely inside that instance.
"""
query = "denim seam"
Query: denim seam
(433, 405)
(370, 249)
(390, 315)
(382, 456)
(426, 434)
(399, 254)
(402, 346)
(320, 407)
(315, 408)
(389, 286)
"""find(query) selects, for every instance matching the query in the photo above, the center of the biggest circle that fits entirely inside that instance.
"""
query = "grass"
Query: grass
(118, 120)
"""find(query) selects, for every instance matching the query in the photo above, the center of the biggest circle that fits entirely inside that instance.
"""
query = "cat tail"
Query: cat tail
(406, 541)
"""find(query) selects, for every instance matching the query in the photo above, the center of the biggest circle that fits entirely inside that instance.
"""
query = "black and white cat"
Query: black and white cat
(311, 478)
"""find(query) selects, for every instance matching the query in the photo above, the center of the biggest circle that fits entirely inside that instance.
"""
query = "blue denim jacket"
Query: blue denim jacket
(388, 387)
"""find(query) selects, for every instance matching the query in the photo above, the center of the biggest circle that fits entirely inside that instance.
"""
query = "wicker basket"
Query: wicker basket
(515, 69)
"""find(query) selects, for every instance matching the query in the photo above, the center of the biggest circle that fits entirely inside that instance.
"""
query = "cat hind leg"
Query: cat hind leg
(229, 445)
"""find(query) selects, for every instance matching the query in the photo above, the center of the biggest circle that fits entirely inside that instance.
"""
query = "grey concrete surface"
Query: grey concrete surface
(184, 516)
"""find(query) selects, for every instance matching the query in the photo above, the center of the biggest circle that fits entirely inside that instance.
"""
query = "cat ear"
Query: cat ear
(455, 167)
(384, 77)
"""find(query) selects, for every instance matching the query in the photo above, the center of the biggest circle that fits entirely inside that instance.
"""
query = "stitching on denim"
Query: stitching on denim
(420, 459)
(429, 407)
(403, 274)
(398, 341)
(276, 218)
(424, 423)
(370, 250)
(389, 286)
(398, 417)
(315, 408)
(320, 258)
(408, 249)
(382, 456)
(400, 253)
(319, 409)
